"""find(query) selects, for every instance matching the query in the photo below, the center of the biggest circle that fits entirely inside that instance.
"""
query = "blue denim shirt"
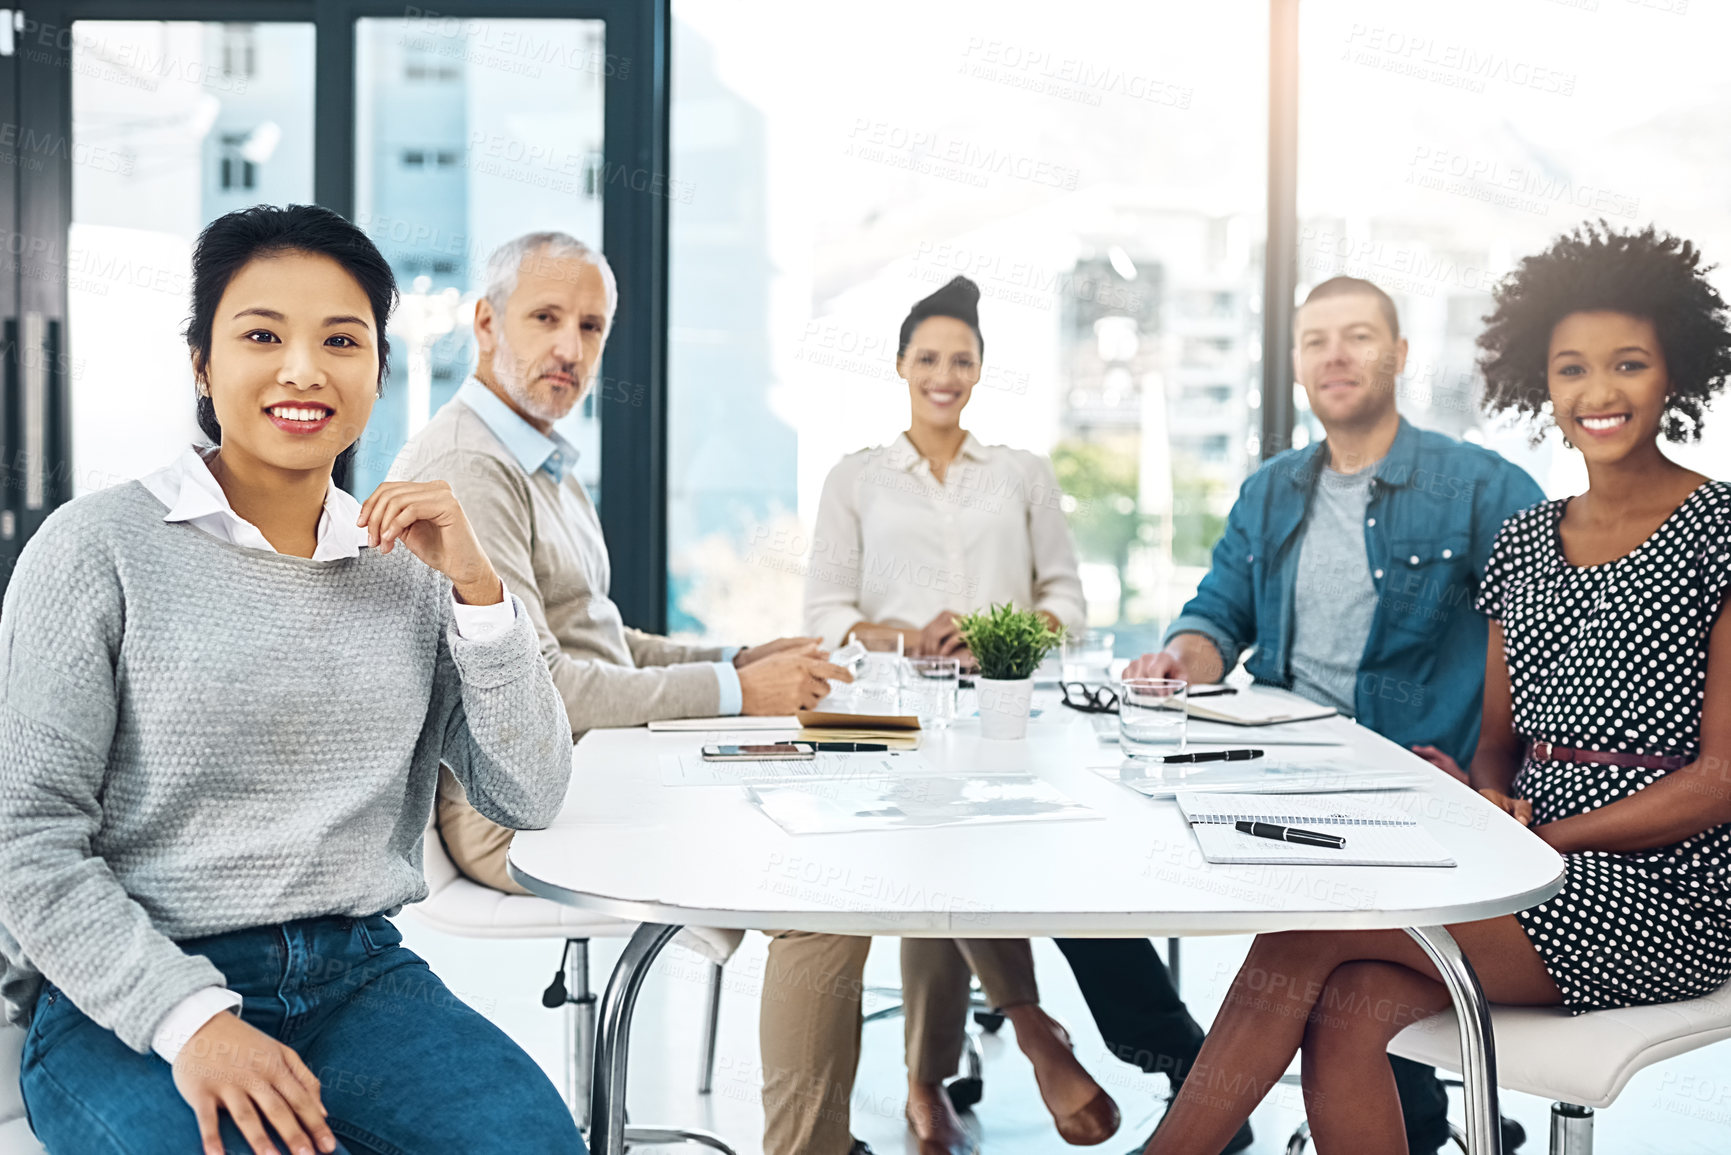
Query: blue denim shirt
(1435, 508)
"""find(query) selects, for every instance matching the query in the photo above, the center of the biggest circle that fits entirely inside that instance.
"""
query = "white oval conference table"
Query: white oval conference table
(673, 856)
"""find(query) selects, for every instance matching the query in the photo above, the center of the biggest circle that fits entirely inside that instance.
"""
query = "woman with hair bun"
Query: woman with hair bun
(1607, 711)
(980, 524)
(913, 534)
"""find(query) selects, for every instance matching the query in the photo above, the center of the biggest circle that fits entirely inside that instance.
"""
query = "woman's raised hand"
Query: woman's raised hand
(230, 1065)
(425, 516)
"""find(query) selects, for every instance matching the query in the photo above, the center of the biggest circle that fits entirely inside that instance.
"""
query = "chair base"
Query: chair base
(663, 1135)
(580, 1004)
(1571, 1129)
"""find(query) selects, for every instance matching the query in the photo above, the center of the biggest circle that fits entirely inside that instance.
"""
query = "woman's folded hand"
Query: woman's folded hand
(1518, 808)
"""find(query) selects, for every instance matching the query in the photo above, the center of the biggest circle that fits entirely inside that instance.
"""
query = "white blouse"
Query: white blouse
(894, 545)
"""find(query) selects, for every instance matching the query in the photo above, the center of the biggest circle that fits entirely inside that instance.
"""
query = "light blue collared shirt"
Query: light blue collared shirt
(532, 448)
(535, 450)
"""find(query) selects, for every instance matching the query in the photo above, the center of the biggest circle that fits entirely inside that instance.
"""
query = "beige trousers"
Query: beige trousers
(475, 843)
(809, 1025)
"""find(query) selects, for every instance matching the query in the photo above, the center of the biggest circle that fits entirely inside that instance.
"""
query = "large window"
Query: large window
(1105, 191)
(469, 133)
(173, 124)
(442, 133)
(1440, 143)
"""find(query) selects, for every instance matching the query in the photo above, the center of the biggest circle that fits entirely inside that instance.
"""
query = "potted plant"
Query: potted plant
(1007, 644)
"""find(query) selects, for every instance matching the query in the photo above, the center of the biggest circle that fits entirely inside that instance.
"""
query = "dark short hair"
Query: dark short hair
(959, 298)
(1648, 274)
(1358, 287)
(234, 239)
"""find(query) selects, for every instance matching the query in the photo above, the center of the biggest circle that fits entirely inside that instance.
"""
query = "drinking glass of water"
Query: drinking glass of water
(1151, 717)
(1086, 656)
(929, 688)
(877, 683)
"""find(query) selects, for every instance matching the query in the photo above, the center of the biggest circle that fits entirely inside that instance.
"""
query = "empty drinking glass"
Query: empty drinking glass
(929, 690)
(1086, 656)
(1151, 717)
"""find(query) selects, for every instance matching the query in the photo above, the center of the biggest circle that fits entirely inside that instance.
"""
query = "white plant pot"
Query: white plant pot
(1004, 706)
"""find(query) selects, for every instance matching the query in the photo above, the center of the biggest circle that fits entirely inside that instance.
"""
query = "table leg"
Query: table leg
(1478, 1043)
(613, 1037)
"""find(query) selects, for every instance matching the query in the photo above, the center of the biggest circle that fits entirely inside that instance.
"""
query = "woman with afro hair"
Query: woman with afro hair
(1607, 712)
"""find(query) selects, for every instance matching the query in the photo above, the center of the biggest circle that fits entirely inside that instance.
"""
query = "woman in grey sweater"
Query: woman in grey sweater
(225, 693)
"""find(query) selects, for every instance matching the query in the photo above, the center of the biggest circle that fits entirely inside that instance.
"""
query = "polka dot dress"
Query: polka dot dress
(1613, 658)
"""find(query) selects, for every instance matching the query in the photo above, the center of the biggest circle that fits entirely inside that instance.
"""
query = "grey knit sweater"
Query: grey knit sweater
(198, 738)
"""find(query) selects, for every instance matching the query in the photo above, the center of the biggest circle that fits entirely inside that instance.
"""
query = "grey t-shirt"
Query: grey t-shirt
(1335, 598)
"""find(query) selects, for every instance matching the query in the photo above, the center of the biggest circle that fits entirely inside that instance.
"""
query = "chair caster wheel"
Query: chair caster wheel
(965, 1092)
(989, 1021)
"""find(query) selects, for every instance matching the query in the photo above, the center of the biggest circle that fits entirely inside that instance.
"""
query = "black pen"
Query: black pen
(1292, 834)
(850, 747)
(1214, 693)
(1214, 756)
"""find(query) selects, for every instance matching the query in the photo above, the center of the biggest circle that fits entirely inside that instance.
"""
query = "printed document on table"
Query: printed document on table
(1264, 775)
(912, 802)
(695, 770)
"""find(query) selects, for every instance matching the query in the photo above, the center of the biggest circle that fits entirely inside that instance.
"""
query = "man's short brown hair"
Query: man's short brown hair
(1358, 287)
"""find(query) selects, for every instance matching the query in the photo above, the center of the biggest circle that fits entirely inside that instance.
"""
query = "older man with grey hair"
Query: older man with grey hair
(540, 329)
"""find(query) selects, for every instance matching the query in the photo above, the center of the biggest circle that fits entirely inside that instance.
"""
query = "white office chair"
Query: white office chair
(15, 1135)
(460, 906)
(1582, 1062)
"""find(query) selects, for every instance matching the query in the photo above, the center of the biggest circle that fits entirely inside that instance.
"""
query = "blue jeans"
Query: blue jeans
(405, 1067)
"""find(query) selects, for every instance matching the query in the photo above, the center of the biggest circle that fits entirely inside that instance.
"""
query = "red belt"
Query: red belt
(1546, 752)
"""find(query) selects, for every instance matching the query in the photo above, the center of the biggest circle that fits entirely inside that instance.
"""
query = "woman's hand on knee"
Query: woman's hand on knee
(229, 1065)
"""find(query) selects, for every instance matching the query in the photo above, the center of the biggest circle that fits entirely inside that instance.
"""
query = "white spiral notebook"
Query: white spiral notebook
(1376, 835)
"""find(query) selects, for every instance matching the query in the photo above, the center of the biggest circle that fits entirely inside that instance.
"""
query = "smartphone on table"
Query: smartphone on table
(767, 752)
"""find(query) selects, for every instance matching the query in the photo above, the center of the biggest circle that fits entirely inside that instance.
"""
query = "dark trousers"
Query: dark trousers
(1146, 1024)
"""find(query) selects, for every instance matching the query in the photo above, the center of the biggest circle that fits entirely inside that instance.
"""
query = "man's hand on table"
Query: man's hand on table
(751, 654)
(1191, 658)
(795, 679)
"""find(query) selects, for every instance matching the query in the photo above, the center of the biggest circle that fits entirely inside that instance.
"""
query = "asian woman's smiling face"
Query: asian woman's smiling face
(294, 361)
(1608, 383)
(941, 366)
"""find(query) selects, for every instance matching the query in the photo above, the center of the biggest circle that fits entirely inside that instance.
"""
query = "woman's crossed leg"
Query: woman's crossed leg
(1339, 996)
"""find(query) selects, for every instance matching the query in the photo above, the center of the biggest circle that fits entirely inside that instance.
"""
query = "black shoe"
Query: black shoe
(1237, 1143)
(859, 1148)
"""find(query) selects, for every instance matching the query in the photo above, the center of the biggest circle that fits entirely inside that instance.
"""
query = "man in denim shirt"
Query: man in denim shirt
(1377, 623)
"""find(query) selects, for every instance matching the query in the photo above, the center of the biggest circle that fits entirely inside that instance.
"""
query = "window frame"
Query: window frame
(36, 91)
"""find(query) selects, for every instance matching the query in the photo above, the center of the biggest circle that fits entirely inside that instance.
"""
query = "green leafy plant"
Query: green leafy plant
(1008, 643)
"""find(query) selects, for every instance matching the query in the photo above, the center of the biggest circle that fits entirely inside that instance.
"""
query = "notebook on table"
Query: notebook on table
(735, 722)
(1376, 835)
(897, 731)
(1252, 707)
